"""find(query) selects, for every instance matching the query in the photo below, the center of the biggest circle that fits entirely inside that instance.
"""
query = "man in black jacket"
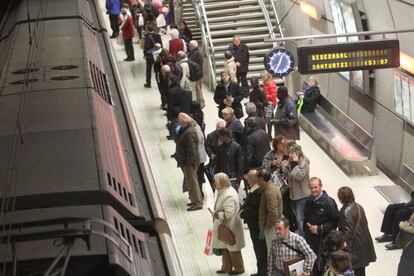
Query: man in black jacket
(241, 56)
(321, 215)
(250, 214)
(151, 39)
(256, 145)
(230, 158)
(196, 56)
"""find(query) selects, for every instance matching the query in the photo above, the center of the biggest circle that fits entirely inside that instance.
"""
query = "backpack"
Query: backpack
(195, 70)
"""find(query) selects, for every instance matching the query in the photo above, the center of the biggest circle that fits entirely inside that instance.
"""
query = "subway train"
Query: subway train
(77, 195)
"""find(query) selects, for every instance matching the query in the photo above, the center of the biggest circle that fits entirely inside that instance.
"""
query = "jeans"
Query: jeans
(298, 208)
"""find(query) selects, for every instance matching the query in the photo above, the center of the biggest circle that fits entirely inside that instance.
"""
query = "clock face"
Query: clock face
(279, 62)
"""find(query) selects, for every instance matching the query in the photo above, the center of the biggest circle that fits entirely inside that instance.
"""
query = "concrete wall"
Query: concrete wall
(374, 111)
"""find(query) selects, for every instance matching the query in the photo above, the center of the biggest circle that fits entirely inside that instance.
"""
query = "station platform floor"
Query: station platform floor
(189, 229)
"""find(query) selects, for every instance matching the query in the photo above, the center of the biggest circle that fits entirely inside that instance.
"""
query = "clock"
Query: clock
(279, 62)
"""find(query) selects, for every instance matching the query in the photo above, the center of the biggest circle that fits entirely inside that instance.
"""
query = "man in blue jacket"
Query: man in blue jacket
(113, 9)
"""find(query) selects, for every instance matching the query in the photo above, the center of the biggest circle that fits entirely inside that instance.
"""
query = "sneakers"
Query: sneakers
(384, 238)
(194, 208)
(146, 85)
(393, 246)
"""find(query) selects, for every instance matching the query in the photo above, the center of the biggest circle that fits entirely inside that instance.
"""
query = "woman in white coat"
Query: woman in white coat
(227, 207)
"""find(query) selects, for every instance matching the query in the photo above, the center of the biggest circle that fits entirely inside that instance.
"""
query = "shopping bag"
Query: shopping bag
(208, 249)
(120, 39)
(161, 21)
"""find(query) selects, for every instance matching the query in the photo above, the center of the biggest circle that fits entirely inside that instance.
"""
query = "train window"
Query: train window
(130, 199)
(128, 236)
(106, 91)
(141, 248)
(122, 230)
(92, 73)
(116, 224)
(119, 189)
(114, 182)
(109, 179)
(100, 82)
(134, 240)
(125, 194)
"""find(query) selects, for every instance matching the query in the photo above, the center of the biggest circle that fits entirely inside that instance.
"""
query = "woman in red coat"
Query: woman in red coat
(176, 44)
(270, 89)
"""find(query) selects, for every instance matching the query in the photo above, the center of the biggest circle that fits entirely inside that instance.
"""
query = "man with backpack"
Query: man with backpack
(196, 56)
(189, 73)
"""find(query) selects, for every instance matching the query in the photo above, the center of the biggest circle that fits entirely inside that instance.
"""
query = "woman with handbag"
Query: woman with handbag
(228, 235)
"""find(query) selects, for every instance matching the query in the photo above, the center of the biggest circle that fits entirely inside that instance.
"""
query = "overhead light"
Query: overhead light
(407, 62)
(310, 10)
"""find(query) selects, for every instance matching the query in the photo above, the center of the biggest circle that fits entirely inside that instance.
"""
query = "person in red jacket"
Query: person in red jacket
(176, 43)
(128, 32)
(270, 89)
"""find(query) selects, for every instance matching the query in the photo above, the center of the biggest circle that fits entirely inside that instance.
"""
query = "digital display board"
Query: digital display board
(350, 56)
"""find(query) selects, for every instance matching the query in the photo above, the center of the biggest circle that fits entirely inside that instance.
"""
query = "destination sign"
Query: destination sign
(350, 56)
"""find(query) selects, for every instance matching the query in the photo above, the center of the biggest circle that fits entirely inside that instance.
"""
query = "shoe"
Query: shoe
(221, 271)
(129, 59)
(384, 238)
(169, 137)
(393, 246)
(113, 36)
(173, 155)
(255, 274)
(190, 204)
(235, 272)
(146, 85)
(194, 208)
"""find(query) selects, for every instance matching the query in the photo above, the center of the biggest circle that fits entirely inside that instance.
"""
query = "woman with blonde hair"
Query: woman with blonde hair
(226, 210)
(310, 96)
(270, 89)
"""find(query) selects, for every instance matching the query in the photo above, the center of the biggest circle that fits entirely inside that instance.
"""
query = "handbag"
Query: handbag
(294, 264)
(225, 234)
(280, 182)
(209, 170)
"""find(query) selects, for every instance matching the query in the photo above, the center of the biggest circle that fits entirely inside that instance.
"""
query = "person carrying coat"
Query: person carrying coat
(226, 211)
(228, 94)
(353, 223)
(230, 65)
(286, 117)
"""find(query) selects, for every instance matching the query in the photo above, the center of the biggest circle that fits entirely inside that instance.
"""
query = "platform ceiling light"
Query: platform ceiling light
(407, 62)
(310, 10)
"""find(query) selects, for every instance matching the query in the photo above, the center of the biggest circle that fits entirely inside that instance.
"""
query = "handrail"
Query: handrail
(208, 46)
(268, 21)
(272, 2)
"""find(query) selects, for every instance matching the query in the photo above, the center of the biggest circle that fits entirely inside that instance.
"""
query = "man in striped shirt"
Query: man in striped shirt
(288, 245)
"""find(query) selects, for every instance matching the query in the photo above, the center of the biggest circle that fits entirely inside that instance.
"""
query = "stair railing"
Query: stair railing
(271, 7)
(268, 20)
(208, 47)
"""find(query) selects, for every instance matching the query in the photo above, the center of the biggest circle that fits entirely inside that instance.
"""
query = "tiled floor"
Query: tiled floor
(189, 229)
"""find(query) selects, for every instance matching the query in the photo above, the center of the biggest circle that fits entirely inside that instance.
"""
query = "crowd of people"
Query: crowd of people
(289, 216)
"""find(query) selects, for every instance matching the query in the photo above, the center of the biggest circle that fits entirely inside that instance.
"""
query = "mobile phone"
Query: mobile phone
(308, 224)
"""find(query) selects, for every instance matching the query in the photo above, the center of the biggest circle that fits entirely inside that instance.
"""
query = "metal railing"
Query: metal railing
(266, 14)
(208, 47)
(270, 7)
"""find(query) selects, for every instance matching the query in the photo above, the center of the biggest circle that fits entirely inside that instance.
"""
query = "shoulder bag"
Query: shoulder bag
(298, 261)
(225, 234)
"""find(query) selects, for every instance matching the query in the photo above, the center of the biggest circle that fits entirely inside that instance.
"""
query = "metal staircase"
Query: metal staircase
(248, 18)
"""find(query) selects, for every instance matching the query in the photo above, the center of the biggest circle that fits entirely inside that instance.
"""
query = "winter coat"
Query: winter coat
(232, 90)
(268, 159)
(237, 130)
(227, 205)
(186, 34)
(322, 212)
(353, 223)
(201, 148)
(286, 120)
(271, 206)
(270, 89)
(230, 160)
(406, 265)
(178, 101)
(310, 99)
(113, 7)
(258, 97)
(212, 144)
(260, 121)
(175, 45)
(241, 55)
(250, 209)
(128, 29)
(186, 149)
(185, 81)
(298, 178)
(150, 40)
(197, 56)
(256, 146)
(231, 68)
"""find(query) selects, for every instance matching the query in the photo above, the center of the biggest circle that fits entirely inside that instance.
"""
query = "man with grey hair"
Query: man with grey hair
(251, 111)
(165, 74)
(212, 145)
(196, 56)
(187, 157)
(185, 81)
